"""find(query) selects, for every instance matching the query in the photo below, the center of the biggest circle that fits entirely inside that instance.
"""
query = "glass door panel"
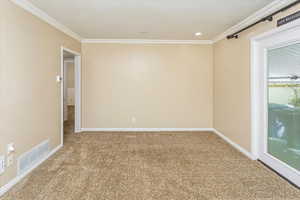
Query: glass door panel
(283, 140)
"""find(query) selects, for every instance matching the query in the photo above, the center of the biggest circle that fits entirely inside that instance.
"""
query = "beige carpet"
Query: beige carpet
(150, 166)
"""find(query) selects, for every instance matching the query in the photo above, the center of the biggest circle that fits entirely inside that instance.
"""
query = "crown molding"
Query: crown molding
(265, 11)
(270, 8)
(146, 41)
(26, 5)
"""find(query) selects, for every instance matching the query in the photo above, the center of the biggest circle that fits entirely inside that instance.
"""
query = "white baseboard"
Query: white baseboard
(78, 130)
(144, 129)
(14, 181)
(235, 145)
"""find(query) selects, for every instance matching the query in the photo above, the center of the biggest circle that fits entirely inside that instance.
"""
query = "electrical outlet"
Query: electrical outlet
(2, 164)
(10, 160)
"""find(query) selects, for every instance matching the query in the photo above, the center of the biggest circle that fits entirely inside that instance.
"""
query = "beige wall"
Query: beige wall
(232, 84)
(162, 86)
(30, 96)
(70, 75)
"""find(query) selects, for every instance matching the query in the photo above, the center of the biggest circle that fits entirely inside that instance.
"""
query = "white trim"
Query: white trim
(270, 8)
(146, 41)
(235, 145)
(18, 178)
(68, 60)
(144, 129)
(77, 62)
(77, 65)
(275, 38)
(62, 65)
(256, 70)
(71, 51)
(274, 6)
(26, 5)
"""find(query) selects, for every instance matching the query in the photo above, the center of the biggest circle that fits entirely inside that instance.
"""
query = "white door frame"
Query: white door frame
(77, 65)
(282, 36)
(65, 89)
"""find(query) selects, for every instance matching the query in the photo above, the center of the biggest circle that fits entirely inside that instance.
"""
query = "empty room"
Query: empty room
(150, 100)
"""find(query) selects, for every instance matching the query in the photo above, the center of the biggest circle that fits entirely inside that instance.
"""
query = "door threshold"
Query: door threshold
(290, 182)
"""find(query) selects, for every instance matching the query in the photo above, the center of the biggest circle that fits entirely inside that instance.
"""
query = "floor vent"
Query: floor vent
(29, 159)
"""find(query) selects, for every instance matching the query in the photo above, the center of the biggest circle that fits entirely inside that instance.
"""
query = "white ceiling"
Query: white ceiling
(149, 19)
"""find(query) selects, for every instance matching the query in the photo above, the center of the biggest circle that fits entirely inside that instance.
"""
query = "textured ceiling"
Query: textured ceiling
(149, 19)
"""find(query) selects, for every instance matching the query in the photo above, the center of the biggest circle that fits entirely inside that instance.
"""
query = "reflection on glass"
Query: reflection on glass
(284, 104)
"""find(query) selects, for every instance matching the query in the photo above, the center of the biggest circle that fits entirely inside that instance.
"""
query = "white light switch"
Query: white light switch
(2, 164)
(10, 148)
(58, 79)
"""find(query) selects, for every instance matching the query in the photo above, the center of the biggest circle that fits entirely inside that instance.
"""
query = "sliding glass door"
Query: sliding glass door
(283, 140)
(280, 147)
(275, 99)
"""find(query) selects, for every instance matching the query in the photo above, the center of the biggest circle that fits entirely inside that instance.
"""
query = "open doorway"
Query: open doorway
(70, 92)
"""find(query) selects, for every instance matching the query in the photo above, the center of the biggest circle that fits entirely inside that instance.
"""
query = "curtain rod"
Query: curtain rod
(267, 18)
(292, 77)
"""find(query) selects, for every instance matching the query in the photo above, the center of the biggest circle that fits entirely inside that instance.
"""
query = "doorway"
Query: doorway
(275, 77)
(70, 92)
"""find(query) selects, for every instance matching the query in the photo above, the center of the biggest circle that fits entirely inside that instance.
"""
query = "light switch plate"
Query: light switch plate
(2, 164)
(58, 78)
(10, 148)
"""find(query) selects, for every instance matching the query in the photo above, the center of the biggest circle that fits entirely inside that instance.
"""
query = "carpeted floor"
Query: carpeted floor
(150, 166)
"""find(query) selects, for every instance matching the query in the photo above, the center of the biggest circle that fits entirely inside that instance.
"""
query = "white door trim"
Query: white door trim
(277, 37)
(65, 92)
(77, 65)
